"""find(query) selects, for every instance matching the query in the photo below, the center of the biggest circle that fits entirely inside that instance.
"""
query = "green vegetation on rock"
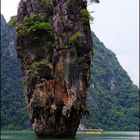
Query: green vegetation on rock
(74, 38)
(13, 22)
(34, 23)
(39, 66)
(72, 4)
(46, 3)
(85, 16)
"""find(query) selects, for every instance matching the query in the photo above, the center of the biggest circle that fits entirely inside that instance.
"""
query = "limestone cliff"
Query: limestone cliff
(55, 47)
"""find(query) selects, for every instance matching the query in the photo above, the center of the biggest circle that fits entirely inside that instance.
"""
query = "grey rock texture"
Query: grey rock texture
(55, 63)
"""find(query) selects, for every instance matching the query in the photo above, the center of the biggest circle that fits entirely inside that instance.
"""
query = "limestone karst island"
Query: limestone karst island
(58, 79)
(54, 45)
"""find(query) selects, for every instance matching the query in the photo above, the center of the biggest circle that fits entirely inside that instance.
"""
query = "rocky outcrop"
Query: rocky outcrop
(55, 47)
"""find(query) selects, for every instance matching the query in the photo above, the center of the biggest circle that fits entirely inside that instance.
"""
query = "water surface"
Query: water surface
(29, 135)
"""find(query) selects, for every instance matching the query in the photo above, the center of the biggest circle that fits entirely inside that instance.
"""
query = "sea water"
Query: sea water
(29, 135)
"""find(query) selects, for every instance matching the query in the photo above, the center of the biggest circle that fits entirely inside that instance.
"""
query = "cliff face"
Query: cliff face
(55, 47)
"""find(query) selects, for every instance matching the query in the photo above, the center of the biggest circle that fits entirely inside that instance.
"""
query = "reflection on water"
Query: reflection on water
(29, 135)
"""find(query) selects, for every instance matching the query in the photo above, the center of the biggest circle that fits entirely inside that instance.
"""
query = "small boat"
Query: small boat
(92, 131)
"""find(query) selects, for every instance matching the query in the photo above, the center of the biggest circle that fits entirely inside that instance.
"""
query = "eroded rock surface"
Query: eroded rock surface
(55, 47)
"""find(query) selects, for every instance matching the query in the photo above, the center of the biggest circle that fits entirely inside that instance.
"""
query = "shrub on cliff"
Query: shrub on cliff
(35, 23)
(13, 22)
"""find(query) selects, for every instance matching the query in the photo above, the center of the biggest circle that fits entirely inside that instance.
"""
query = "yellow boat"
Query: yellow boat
(92, 131)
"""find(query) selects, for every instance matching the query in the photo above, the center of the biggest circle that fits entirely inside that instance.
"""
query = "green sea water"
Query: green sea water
(29, 135)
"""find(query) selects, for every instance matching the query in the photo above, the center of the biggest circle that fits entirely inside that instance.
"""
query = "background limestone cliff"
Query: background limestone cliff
(55, 47)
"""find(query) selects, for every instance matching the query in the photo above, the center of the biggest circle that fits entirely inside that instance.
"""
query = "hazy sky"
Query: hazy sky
(116, 24)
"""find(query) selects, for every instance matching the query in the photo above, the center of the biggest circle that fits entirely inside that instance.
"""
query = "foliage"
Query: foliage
(81, 59)
(42, 68)
(74, 38)
(41, 17)
(46, 3)
(38, 65)
(12, 22)
(82, 62)
(32, 31)
(40, 26)
(34, 24)
(72, 4)
(50, 45)
(85, 16)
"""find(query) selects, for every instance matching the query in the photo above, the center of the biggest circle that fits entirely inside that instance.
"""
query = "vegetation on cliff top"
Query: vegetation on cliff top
(34, 25)
(85, 16)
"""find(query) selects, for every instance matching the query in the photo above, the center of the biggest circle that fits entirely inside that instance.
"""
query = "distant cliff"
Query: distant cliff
(12, 98)
(113, 100)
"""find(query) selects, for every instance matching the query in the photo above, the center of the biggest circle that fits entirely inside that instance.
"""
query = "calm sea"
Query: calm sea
(29, 135)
